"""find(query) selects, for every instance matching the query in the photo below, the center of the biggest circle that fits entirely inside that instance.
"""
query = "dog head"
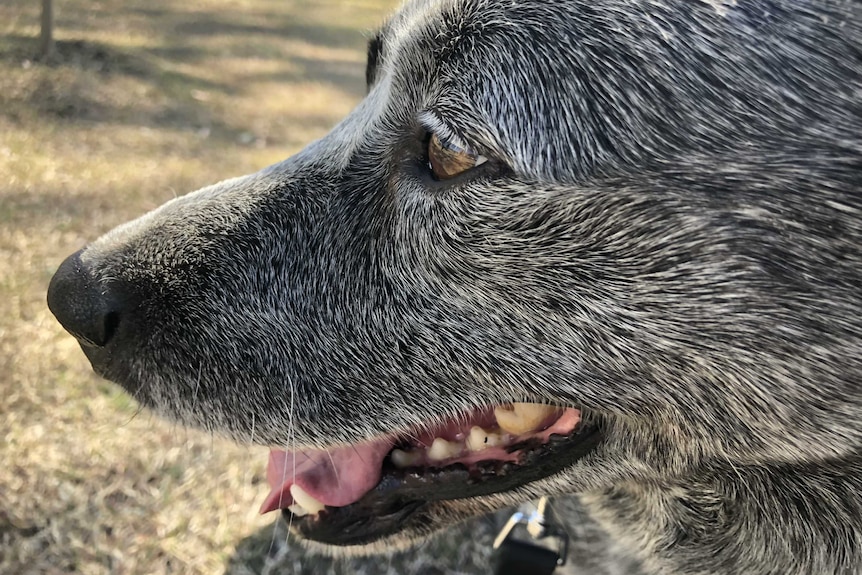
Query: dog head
(644, 216)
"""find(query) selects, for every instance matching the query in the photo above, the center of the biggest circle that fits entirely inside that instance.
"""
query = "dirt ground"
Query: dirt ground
(146, 100)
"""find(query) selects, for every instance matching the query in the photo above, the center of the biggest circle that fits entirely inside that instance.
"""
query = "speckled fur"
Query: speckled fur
(668, 234)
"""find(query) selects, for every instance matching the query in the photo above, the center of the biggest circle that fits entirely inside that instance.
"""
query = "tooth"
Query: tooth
(306, 501)
(297, 509)
(402, 459)
(480, 439)
(442, 449)
(521, 418)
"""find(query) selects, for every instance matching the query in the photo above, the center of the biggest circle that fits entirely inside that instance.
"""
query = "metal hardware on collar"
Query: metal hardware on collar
(517, 557)
(536, 523)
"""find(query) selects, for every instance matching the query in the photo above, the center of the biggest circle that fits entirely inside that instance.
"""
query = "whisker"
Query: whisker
(291, 442)
(197, 387)
(334, 468)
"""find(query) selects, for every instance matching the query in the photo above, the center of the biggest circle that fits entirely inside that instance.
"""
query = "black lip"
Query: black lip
(404, 494)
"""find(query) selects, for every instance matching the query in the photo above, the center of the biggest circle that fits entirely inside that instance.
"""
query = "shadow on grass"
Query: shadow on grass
(81, 55)
(91, 64)
(279, 26)
(83, 97)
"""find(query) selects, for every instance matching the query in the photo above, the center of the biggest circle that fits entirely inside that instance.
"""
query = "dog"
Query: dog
(609, 251)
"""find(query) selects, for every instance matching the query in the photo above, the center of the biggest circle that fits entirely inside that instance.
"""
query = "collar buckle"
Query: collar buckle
(518, 557)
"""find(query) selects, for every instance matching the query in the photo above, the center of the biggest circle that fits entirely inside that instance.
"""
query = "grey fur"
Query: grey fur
(668, 235)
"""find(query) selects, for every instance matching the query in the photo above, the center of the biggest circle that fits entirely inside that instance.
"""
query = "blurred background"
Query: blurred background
(140, 101)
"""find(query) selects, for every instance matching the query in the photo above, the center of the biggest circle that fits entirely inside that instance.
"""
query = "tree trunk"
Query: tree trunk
(46, 45)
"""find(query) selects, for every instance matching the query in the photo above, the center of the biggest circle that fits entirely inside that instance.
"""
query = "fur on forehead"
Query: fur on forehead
(632, 83)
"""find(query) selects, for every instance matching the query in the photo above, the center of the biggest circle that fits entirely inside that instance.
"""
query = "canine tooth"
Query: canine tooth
(480, 439)
(297, 509)
(442, 449)
(306, 501)
(402, 459)
(522, 417)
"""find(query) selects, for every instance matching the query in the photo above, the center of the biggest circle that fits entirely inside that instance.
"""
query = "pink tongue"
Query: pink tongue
(335, 477)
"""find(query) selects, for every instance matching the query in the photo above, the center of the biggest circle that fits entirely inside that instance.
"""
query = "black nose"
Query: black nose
(86, 307)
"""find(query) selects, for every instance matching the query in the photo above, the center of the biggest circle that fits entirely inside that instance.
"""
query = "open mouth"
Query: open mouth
(356, 494)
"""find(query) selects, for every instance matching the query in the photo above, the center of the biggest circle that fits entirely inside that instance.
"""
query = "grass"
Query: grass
(145, 100)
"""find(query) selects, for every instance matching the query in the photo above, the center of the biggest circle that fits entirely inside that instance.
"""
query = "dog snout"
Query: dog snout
(89, 309)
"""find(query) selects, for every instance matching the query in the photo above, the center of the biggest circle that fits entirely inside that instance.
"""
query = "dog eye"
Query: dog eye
(447, 159)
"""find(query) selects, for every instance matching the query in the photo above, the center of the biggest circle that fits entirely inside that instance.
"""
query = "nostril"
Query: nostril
(88, 309)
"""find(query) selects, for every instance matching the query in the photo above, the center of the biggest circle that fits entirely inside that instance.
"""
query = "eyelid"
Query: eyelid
(434, 125)
(458, 147)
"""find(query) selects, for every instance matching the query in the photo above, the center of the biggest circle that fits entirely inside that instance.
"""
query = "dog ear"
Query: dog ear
(375, 45)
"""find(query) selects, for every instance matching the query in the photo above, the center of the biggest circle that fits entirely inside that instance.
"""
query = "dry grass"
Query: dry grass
(147, 100)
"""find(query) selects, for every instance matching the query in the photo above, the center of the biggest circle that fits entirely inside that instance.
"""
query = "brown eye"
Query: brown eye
(447, 159)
